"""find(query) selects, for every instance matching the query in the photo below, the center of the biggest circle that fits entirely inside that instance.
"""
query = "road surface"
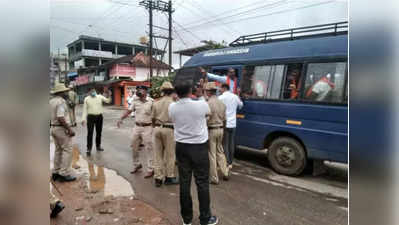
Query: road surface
(255, 195)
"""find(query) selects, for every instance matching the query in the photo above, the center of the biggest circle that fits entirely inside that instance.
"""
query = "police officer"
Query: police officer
(216, 123)
(163, 138)
(142, 131)
(56, 205)
(72, 102)
(62, 134)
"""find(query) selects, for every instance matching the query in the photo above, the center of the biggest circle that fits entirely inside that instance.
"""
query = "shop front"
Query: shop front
(120, 90)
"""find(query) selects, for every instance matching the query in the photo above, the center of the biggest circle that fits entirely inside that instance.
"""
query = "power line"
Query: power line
(100, 27)
(269, 14)
(194, 12)
(194, 35)
(230, 28)
(229, 11)
(282, 11)
(179, 37)
(269, 6)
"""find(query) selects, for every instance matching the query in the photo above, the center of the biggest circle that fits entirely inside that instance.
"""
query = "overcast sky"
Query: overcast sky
(194, 20)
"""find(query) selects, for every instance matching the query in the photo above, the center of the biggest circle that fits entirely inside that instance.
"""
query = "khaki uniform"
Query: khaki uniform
(163, 140)
(215, 125)
(63, 142)
(53, 199)
(73, 98)
(142, 131)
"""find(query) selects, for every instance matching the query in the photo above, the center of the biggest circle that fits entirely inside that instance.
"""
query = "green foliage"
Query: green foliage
(215, 45)
(156, 83)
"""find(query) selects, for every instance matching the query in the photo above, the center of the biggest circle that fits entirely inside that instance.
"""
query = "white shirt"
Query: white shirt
(321, 88)
(189, 118)
(232, 102)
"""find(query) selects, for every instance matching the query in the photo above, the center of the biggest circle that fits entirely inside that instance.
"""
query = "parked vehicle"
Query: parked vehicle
(294, 84)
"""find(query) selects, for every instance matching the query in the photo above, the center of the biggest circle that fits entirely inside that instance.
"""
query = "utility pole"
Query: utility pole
(150, 13)
(170, 34)
(163, 7)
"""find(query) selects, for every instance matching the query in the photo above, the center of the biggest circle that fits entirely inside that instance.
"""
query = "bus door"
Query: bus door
(222, 70)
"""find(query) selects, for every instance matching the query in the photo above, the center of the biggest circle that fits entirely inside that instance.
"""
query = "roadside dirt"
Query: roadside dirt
(101, 197)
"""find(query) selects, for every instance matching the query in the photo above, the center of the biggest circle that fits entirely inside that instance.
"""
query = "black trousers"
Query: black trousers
(229, 144)
(97, 121)
(193, 158)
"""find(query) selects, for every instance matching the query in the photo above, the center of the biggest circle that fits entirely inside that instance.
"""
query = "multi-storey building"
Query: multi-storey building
(89, 51)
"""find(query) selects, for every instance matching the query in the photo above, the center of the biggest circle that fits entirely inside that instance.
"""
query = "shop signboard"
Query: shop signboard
(122, 70)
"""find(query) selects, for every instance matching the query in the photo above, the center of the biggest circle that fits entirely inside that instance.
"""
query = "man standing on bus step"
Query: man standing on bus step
(231, 79)
(191, 135)
(232, 102)
(142, 130)
(216, 123)
(163, 138)
(93, 114)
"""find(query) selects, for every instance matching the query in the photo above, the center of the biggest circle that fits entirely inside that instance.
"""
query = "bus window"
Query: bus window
(325, 82)
(246, 82)
(262, 81)
(292, 84)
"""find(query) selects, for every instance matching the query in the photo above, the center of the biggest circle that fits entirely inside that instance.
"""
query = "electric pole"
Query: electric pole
(170, 34)
(163, 7)
(150, 13)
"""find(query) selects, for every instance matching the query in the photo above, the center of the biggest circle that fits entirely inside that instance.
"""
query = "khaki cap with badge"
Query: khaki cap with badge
(59, 87)
(166, 86)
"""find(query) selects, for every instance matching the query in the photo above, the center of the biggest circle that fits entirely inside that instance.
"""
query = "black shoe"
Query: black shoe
(213, 220)
(226, 178)
(158, 183)
(171, 181)
(68, 178)
(55, 176)
(59, 206)
(100, 149)
(88, 151)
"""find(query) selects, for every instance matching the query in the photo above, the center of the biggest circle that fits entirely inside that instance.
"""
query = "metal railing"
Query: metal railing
(292, 34)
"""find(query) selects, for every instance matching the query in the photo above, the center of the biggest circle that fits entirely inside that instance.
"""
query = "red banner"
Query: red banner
(82, 79)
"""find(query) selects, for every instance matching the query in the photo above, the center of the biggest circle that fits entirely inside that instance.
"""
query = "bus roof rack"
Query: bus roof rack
(293, 34)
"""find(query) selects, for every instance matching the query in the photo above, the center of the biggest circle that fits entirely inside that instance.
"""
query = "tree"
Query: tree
(214, 44)
(156, 83)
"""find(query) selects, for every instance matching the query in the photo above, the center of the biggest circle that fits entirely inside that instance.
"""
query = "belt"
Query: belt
(215, 127)
(165, 126)
(58, 125)
(143, 124)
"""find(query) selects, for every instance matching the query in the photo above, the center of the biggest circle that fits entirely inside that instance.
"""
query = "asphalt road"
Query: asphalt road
(255, 195)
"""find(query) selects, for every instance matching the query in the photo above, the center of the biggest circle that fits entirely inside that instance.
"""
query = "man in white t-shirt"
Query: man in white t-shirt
(321, 89)
(232, 102)
(191, 135)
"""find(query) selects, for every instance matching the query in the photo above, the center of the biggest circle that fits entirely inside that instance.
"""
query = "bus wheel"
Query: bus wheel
(287, 156)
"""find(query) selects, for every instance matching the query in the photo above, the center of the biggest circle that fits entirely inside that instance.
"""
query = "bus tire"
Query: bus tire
(287, 156)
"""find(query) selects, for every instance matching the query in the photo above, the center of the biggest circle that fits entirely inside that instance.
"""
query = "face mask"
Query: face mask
(139, 94)
(93, 94)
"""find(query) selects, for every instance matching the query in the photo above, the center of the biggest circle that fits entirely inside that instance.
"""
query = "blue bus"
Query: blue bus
(294, 84)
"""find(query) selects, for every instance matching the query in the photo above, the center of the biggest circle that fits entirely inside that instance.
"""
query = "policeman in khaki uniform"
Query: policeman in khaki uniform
(73, 100)
(216, 123)
(142, 130)
(62, 134)
(163, 138)
(56, 205)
